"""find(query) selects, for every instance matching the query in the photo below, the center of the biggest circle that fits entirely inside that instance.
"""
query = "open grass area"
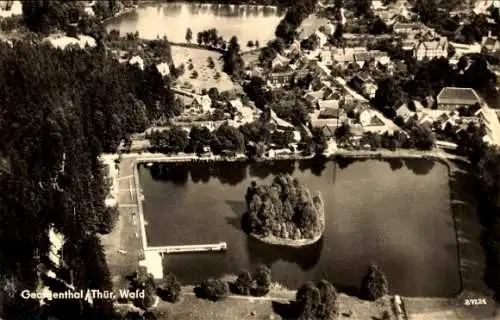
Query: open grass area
(206, 76)
(242, 308)
(123, 237)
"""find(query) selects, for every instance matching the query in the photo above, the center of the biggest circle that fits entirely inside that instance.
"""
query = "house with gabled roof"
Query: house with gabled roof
(431, 49)
(490, 43)
(452, 98)
(202, 103)
(279, 61)
(404, 112)
(327, 104)
(322, 38)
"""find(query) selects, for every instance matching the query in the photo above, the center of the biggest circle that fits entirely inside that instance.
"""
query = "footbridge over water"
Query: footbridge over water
(221, 246)
(153, 256)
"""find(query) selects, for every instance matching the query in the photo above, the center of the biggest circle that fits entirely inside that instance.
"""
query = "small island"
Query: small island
(284, 213)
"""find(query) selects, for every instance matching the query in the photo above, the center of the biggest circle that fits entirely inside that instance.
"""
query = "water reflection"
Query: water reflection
(304, 257)
(395, 163)
(420, 166)
(172, 20)
(179, 173)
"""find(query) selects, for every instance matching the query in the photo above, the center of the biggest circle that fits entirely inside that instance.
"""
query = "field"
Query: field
(242, 308)
(206, 76)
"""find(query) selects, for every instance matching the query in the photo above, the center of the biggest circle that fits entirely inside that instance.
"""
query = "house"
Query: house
(280, 79)
(364, 84)
(491, 123)
(322, 70)
(236, 103)
(331, 113)
(280, 123)
(279, 62)
(380, 57)
(490, 43)
(329, 131)
(431, 49)
(452, 98)
(322, 38)
(406, 28)
(368, 117)
(327, 104)
(346, 55)
(445, 119)
(293, 48)
(313, 97)
(326, 57)
(163, 69)
(426, 121)
(404, 112)
(64, 41)
(137, 61)
(361, 58)
(202, 104)
(329, 29)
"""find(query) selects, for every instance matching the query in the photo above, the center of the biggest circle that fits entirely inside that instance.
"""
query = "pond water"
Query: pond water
(395, 213)
(172, 20)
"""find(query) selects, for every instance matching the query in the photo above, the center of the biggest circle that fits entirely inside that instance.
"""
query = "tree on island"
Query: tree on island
(284, 209)
(374, 285)
(189, 35)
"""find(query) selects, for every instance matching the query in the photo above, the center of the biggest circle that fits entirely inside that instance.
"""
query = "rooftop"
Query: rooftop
(454, 95)
(334, 104)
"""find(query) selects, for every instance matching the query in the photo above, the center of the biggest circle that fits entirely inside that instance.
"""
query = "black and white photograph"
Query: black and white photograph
(250, 160)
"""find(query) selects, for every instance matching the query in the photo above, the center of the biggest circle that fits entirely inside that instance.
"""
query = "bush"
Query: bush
(244, 284)
(170, 289)
(213, 290)
(262, 280)
(142, 281)
(194, 74)
(319, 302)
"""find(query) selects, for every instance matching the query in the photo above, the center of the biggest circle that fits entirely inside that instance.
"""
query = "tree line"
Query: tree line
(60, 111)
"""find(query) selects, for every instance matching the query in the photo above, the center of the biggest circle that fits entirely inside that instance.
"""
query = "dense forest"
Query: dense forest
(59, 111)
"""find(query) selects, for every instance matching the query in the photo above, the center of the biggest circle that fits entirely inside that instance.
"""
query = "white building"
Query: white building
(322, 38)
(163, 69)
(137, 61)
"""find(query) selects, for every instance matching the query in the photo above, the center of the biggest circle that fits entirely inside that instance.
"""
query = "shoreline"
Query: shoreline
(435, 154)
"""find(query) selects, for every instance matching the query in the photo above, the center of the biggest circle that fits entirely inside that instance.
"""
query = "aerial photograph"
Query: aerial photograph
(250, 160)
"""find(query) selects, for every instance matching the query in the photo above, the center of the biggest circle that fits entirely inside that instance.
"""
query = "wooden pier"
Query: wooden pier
(214, 247)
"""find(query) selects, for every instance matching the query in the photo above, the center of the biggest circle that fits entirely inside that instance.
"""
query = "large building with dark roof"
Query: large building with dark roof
(452, 98)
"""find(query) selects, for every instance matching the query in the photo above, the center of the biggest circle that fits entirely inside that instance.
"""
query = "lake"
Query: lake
(395, 213)
(173, 19)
